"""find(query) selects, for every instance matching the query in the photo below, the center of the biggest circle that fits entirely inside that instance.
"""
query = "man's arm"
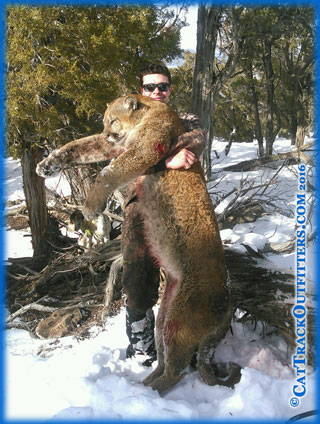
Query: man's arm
(188, 147)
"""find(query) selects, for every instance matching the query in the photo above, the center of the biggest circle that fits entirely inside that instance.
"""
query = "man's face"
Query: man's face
(156, 94)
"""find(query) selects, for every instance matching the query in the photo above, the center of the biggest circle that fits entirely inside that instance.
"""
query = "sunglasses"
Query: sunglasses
(163, 86)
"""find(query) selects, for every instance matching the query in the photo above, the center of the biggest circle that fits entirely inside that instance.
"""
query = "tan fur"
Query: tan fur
(61, 323)
(181, 230)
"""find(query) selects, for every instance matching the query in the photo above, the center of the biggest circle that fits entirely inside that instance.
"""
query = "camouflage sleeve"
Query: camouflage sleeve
(194, 139)
(190, 121)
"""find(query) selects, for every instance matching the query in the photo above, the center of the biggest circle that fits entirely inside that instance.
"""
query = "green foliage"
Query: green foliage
(290, 32)
(182, 79)
(64, 64)
(234, 111)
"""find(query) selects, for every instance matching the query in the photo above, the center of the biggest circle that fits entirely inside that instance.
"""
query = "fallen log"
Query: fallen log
(253, 164)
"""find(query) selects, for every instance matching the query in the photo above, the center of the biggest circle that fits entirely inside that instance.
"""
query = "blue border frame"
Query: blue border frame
(249, 3)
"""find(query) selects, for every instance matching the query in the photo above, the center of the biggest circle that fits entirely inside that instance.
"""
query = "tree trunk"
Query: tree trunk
(293, 126)
(34, 190)
(202, 102)
(272, 110)
(300, 136)
(297, 118)
(206, 81)
(255, 100)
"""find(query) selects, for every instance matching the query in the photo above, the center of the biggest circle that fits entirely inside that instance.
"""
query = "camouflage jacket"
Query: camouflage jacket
(194, 139)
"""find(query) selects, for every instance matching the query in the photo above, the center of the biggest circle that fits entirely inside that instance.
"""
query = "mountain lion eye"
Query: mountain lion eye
(115, 124)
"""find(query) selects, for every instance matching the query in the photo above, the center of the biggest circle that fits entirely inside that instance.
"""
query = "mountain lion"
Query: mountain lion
(180, 228)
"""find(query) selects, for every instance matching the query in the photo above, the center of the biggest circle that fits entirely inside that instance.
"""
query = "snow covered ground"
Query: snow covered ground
(91, 379)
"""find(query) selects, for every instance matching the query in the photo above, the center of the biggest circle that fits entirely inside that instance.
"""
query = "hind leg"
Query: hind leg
(161, 362)
(211, 372)
(175, 341)
(176, 356)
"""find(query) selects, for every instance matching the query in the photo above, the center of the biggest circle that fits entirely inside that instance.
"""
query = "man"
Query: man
(140, 273)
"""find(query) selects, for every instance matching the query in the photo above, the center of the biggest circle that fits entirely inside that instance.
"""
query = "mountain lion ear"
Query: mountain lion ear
(131, 103)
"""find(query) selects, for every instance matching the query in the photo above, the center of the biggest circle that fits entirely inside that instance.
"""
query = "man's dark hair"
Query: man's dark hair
(155, 68)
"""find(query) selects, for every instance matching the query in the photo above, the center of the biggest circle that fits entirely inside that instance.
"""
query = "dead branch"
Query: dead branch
(284, 247)
(238, 195)
(113, 280)
(17, 211)
(69, 284)
(29, 307)
(26, 268)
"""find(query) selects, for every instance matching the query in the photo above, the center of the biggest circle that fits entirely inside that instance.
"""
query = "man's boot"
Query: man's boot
(140, 331)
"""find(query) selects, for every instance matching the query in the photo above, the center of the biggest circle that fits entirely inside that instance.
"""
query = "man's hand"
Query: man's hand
(183, 159)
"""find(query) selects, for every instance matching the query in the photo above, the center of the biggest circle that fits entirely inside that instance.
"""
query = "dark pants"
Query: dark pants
(140, 280)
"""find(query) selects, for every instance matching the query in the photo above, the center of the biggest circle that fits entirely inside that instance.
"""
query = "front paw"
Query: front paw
(92, 209)
(48, 168)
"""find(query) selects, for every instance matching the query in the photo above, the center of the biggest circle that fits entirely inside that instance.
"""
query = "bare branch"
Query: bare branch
(31, 306)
